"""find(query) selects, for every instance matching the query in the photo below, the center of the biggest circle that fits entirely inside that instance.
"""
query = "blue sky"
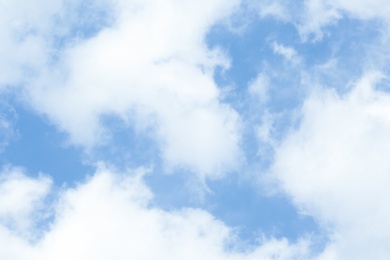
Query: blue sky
(194, 129)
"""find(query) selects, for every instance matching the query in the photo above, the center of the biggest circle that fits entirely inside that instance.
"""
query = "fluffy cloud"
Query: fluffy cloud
(20, 196)
(21, 47)
(109, 217)
(335, 167)
(149, 66)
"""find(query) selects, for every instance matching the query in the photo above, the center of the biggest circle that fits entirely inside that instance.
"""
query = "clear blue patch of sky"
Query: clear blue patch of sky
(242, 204)
(129, 145)
(40, 148)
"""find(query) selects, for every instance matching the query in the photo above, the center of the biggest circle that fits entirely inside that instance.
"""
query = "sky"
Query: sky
(177, 129)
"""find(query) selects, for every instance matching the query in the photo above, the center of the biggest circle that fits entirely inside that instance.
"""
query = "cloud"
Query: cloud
(19, 197)
(109, 217)
(287, 52)
(311, 17)
(322, 13)
(259, 88)
(149, 66)
(335, 168)
(318, 14)
(7, 125)
(275, 9)
(21, 47)
(33, 33)
(364, 9)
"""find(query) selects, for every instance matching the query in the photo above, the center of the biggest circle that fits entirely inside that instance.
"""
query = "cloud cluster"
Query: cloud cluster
(109, 217)
(335, 167)
(147, 63)
(21, 47)
(150, 67)
(333, 164)
(20, 196)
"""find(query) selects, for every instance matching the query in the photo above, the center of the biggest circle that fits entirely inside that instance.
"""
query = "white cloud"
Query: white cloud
(289, 53)
(317, 14)
(19, 197)
(32, 31)
(265, 129)
(273, 9)
(312, 16)
(309, 16)
(335, 167)
(320, 13)
(150, 66)
(259, 87)
(7, 123)
(109, 217)
(363, 8)
(22, 47)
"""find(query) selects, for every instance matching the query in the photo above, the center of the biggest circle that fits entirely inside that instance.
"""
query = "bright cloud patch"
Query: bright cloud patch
(19, 197)
(335, 167)
(109, 217)
(150, 67)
